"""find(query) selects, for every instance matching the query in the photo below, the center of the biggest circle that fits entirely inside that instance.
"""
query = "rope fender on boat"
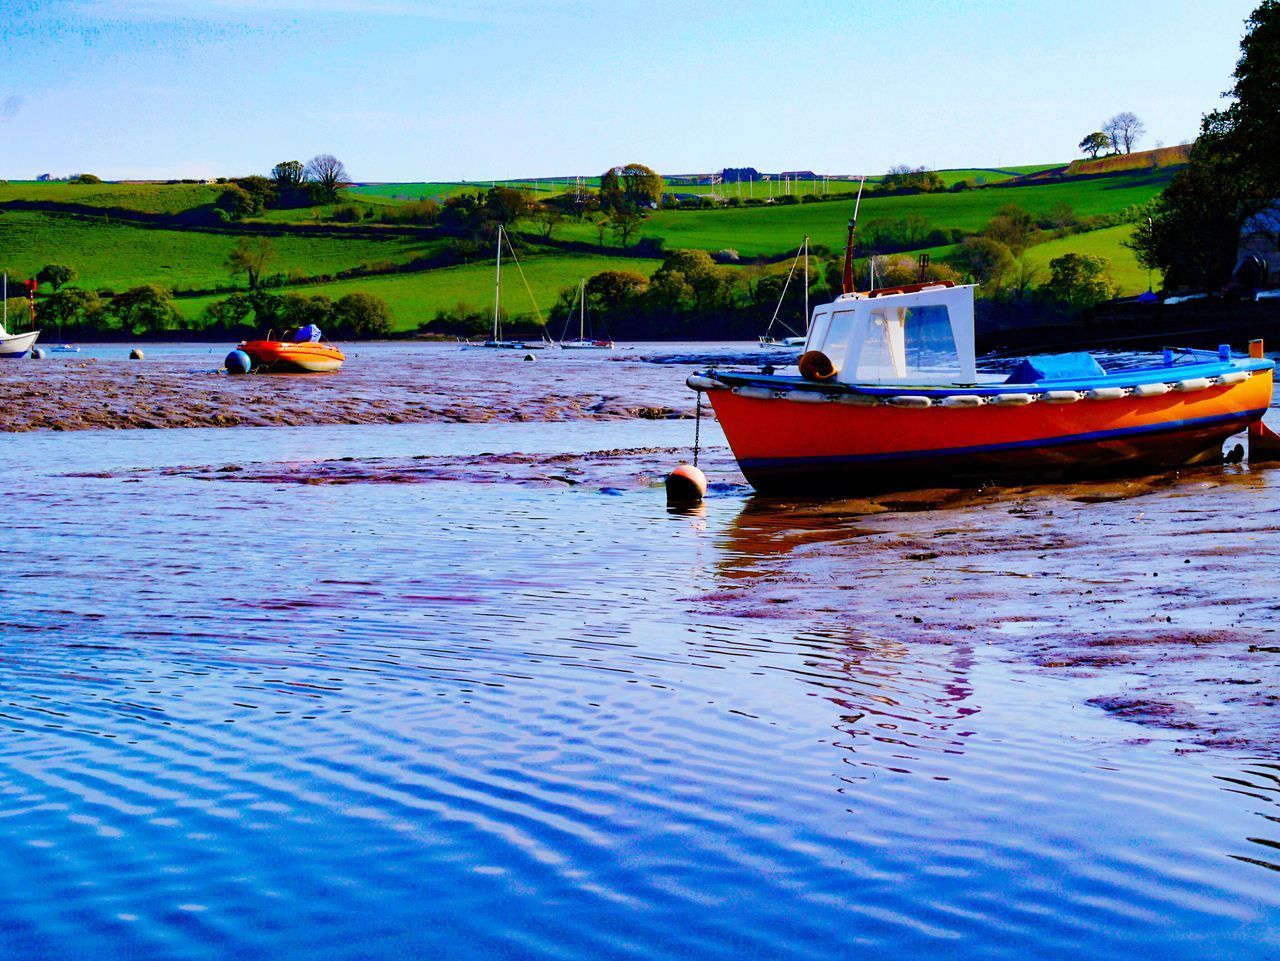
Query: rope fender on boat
(854, 398)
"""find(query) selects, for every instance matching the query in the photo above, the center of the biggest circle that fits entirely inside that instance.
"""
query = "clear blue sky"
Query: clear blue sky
(481, 89)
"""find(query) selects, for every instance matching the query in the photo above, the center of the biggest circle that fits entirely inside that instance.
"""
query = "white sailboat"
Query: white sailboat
(496, 341)
(795, 340)
(582, 341)
(13, 346)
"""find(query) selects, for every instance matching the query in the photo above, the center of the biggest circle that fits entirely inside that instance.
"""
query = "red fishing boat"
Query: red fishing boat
(888, 396)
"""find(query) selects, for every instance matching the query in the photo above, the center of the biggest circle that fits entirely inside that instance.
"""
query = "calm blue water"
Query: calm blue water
(458, 720)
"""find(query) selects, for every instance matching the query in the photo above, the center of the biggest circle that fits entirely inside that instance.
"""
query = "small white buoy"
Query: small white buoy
(37, 353)
(530, 357)
(686, 485)
(136, 354)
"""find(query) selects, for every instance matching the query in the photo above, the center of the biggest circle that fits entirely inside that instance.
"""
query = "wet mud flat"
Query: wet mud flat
(379, 384)
(1158, 592)
(439, 689)
(612, 471)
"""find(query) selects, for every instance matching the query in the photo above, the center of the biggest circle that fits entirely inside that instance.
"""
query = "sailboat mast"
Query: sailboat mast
(497, 284)
(806, 284)
(582, 307)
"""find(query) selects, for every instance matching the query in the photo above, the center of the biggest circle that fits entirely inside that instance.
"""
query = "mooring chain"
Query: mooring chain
(697, 429)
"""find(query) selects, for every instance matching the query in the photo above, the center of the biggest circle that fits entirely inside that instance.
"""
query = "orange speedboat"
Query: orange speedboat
(312, 356)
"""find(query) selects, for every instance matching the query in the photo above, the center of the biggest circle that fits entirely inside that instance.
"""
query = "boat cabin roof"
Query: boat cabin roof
(915, 334)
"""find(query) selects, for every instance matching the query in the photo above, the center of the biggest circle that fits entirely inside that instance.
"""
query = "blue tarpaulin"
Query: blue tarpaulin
(1075, 366)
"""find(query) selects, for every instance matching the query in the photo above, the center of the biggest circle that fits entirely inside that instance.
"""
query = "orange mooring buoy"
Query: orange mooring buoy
(686, 485)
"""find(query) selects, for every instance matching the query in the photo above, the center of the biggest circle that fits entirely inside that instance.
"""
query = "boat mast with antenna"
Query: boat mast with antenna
(846, 284)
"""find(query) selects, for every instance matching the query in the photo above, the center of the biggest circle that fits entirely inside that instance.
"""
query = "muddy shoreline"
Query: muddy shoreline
(383, 386)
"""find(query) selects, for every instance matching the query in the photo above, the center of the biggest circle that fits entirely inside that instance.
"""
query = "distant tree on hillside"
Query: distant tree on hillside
(261, 191)
(71, 306)
(1011, 226)
(988, 261)
(148, 309)
(506, 205)
(1078, 281)
(55, 275)
(613, 288)
(362, 315)
(250, 256)
(547, 217)
(288, 174)
(1094, 144)
(236, 201)
(86, 179)
(234, 311)
(326, 174)
(624, 222)
(1124, 130)
(903, 177)
(631, 185)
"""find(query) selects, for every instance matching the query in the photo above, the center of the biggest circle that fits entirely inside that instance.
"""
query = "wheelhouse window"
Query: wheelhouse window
(929, 341)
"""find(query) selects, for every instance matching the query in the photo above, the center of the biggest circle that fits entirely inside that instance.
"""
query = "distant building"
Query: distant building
(1260, 235)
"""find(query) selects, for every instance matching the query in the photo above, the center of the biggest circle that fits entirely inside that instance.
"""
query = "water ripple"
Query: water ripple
(406, 720)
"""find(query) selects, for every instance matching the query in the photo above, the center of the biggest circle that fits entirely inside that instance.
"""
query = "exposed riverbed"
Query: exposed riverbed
(469, 689)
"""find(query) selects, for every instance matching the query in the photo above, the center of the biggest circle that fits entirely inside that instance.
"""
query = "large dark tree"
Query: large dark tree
(631, 185)
(326, 174)
(148, 309)
(1094, 144)
(1233, 172)
(1249, 127)
(55, 275)
(287, 174)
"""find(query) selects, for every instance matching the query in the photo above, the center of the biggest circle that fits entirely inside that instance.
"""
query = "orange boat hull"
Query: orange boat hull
(280, 355)
(785, 446)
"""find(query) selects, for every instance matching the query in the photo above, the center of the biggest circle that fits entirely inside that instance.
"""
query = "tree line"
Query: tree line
(291, 184)
(1232, 174)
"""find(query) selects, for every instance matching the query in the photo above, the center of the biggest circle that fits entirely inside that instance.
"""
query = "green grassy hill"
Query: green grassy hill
(117, 255)
(145, 198)
(188, 253)
(1129, 276)
(774, 230)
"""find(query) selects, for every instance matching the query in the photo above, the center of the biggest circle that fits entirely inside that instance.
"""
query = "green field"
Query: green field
(147, 198)
(991, 175)
(775, 230)
(440, 190)
(414, 298)
(1129, 276)
(110, 253)
(119, 255)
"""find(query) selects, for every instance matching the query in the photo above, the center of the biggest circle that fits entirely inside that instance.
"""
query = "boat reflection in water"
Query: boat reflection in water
(897, 703)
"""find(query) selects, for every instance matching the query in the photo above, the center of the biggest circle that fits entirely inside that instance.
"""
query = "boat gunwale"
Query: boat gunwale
(1126, 378)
